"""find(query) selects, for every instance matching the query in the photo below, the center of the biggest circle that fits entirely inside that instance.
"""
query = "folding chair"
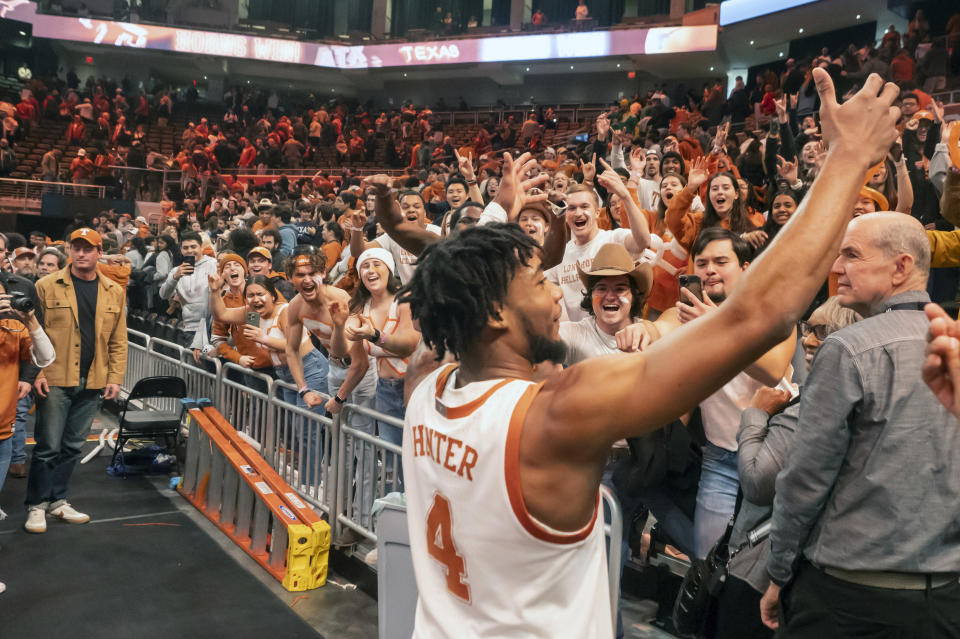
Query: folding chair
(147, 423)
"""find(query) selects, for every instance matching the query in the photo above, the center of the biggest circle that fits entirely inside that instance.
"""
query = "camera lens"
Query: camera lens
(21, 303)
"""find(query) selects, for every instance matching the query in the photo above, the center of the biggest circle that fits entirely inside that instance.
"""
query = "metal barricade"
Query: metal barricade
(302, 448)
(367, 469)
(202, 377)
(138, 360)
(613, 527)
(244, 400)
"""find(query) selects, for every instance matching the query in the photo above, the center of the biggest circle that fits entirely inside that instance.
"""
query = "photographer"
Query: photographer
(21, 340)
(20, 286)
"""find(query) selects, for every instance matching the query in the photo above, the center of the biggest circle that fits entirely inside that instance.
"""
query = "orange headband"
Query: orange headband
(302, 260)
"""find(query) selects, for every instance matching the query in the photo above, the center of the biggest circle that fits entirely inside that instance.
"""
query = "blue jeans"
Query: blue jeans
(310, 439)
(389, 401)
(716, 497)
(64, 418)
(364, 456)
(19, 454)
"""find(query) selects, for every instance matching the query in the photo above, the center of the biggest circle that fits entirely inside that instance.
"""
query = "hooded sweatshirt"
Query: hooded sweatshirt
(193, 291)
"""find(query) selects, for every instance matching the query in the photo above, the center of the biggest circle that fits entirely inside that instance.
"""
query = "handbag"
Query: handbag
(701, 585)
(705, 578)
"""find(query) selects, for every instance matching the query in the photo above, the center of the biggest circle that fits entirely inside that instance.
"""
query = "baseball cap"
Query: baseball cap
(81, 152)
(261, 251)
(23, 250)
(87, 235)
(265, 202)
(923, 115)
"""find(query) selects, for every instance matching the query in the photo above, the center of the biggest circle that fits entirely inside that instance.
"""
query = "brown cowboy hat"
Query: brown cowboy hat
(613, 259)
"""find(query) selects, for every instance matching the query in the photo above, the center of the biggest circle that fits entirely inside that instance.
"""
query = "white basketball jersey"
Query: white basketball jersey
(484, 566)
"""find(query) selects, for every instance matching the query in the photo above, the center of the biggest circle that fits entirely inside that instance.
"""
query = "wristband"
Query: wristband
(472, 182)
(303, 390)
(337, 399)
(375, 338)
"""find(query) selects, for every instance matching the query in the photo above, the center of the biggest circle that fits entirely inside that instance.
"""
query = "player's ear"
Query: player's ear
(497, 321)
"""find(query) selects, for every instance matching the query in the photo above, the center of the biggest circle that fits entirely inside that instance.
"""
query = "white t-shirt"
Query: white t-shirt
(565, 275)
(584, 340)
(404, 259)
(721, 411)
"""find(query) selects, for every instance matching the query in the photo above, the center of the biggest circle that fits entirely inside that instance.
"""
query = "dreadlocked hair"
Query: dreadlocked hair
(458, 280)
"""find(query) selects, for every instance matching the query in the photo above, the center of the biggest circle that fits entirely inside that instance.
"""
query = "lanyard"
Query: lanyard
(907, 306)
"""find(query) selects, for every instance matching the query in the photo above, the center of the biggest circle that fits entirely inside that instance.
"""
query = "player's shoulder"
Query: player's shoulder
(421, 394)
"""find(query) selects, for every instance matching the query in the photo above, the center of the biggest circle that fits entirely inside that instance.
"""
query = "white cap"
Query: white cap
(377, 253)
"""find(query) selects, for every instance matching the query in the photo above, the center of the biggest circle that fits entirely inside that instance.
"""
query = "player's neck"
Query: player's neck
(490, 362)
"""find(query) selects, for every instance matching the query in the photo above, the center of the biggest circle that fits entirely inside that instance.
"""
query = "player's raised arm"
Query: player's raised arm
(605, 399)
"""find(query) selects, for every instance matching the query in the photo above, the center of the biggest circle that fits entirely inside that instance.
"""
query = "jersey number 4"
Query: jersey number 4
(441, 547)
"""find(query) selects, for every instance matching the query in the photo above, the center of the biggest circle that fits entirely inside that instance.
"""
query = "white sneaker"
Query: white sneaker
(66, 512)
(36, 520)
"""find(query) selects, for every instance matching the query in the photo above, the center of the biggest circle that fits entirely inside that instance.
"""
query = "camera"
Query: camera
(21, 302)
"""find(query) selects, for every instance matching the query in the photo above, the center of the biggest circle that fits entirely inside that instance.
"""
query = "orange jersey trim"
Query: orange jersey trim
(512, 477)
(459, 412)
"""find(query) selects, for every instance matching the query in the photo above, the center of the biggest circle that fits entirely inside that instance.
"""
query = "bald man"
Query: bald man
(864, 519)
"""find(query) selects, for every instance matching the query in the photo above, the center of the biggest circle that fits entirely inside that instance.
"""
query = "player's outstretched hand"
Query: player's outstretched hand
(862, 128)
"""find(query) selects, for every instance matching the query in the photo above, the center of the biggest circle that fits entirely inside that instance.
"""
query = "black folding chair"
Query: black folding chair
(146, 423)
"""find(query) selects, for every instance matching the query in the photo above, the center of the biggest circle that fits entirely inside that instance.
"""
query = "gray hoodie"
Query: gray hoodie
(193, 290)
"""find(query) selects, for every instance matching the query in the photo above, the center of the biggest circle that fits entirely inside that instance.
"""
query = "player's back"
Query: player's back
(484, 566)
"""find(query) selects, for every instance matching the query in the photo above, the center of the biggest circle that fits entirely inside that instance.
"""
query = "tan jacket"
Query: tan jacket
(58, 302)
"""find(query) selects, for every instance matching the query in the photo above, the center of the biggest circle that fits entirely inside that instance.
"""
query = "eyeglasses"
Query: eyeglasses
(820, 331)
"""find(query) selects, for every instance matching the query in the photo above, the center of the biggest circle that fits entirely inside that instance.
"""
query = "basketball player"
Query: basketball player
(503, 473)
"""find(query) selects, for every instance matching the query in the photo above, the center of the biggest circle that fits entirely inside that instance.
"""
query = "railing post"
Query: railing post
(271, 425)
(338, 479)
(218, 400)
